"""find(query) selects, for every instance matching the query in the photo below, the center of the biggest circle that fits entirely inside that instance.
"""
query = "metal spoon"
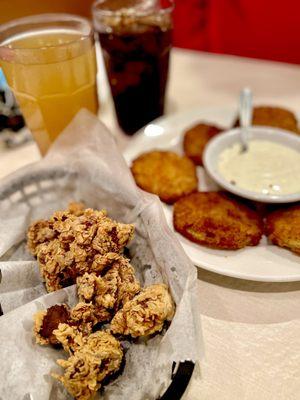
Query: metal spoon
(245, 110)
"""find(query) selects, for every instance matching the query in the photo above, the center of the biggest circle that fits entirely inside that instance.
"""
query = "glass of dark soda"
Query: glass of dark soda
(135, 37)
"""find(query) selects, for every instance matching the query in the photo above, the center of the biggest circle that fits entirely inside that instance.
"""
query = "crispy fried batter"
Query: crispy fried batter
(277, 117)
(70, 337)
(166, 174)
(93, 288)
(38, 322)
(283, 228)
(195, 140)
(111, 291)
(100, 293)
(87, 313)
(39, 232)
(216, 220)
(45, 322)
(121, 276)
(100, 356)
(145, 314)
(76, 208)
(42, 231)
(67, 244)
(80, 318)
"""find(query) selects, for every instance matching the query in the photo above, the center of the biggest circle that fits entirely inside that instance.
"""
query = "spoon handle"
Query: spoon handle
(245, 114)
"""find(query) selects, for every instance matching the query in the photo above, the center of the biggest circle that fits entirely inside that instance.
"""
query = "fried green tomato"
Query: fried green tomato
(276, 117)
(283, 228)
(215, 220)
(165, 174)
(195, 140)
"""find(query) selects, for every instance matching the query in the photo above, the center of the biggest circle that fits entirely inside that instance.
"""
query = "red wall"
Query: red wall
(267, 29)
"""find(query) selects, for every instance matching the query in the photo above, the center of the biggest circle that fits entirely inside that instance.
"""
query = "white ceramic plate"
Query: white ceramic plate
(264, 262)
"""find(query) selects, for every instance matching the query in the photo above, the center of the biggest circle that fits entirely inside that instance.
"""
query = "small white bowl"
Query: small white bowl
(224, 140)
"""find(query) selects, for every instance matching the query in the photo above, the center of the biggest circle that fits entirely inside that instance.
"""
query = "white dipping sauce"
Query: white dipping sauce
(266, 167)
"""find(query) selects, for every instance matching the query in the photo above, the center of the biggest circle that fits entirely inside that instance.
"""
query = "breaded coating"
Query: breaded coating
(83, 313)
(120, 275)
(92, 288)
(37, 326)
(146, 313)
(39, 232)
(100, 356)
(70, 337)
(67, 244)
(216, 220)
(111, 291)
(283, 228)
(276, 117)
(195, 140)
(45, 322)
(76, 208)
(165, 174)
(99, 298)
(42, 231)
(81, 318)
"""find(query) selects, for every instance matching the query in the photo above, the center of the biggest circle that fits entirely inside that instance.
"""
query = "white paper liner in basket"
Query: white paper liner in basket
(84, 164)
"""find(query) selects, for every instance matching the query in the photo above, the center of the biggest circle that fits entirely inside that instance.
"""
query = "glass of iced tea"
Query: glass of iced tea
(49, 62)
(135, 37)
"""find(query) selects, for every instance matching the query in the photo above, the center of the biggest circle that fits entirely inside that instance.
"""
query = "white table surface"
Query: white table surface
(251, 330)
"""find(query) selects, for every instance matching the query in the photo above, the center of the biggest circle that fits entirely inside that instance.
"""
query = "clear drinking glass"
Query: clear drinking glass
(50, 64)
(135, 37)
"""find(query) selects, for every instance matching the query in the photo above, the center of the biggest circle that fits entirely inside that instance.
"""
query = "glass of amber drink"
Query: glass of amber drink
(50, 64)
